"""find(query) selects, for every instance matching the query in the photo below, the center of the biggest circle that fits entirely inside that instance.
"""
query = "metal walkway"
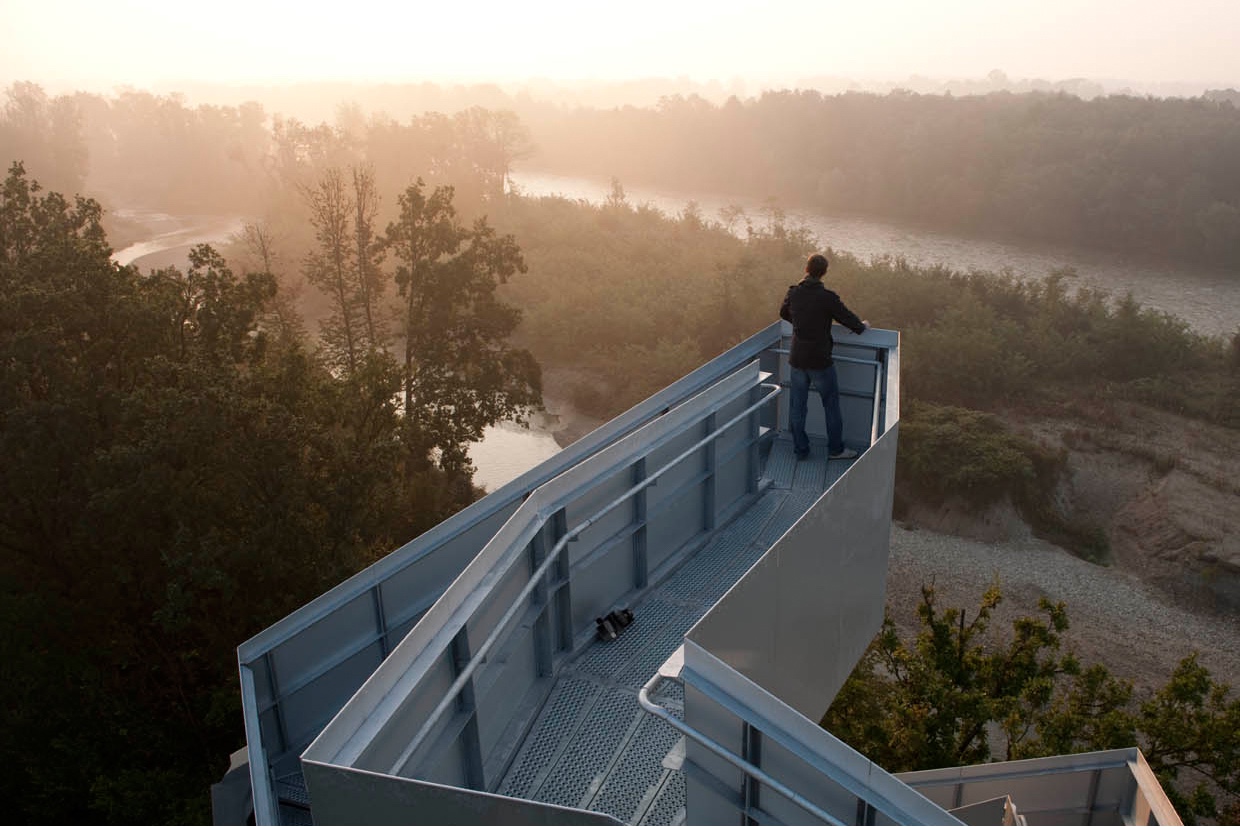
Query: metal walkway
(591, 746)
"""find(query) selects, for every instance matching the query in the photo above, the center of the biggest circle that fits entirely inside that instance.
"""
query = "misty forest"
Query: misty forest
(195, 449)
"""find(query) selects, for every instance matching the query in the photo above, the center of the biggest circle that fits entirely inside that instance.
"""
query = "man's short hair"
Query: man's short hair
(816, 267)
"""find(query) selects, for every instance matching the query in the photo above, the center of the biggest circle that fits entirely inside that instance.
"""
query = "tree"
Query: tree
(328, 268)
(1192, 727)
(491, 140)
(617, 199)
(45, 134)
(459, 373)
(510, 139)
(282, 320)
(162, 497)
(935, 702)
(368, 256)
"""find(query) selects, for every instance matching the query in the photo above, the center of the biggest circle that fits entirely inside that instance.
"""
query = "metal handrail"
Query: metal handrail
(878, 386)
(483, 650)
(750, 770)
(878, 391)
(877, 364)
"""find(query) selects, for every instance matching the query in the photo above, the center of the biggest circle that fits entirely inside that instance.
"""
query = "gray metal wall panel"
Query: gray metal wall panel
(344, 796)
(504, 592)
(716, 684)
(709, 806)
(262, 683)
(385, 747)
(503, 689)
(677, 520)
(425, 579)
(705, 802)
(782, 764)
(734, 437)
(682, 472)
(446, 766)
(855, 378)
(307, 709)
(858, 420)
(1055, 790)
(271, 732)
(798, 622)
(352, 626)
(1068, 791)
(731, 483)
(397, 633)
(1117, 790)
(590, 503)
(599, 583)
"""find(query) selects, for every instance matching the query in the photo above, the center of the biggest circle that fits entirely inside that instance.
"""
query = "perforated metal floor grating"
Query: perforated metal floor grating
(592, 746)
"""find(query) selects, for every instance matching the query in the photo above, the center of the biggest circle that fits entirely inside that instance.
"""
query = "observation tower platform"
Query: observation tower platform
(643, 629)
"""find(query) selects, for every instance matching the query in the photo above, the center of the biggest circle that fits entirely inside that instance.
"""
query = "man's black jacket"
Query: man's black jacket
(811, 307)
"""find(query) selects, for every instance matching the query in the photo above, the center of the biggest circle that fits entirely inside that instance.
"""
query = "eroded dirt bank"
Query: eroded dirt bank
(1165, 492)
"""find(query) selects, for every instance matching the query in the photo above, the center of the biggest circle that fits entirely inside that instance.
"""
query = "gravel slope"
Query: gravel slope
(1115, 618)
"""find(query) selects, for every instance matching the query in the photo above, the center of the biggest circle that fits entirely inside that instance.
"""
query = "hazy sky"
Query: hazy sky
(100, 44)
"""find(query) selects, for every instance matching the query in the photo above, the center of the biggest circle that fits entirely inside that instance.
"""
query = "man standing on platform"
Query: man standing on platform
(811, 308)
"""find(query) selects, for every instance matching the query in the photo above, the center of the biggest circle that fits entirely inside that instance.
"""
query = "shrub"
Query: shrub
(946, 450)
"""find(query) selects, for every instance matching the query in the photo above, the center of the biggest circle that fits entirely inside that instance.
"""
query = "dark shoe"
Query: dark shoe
(847, 453)
(801, 455)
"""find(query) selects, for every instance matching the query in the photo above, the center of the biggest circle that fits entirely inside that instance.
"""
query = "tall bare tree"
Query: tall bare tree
(329, 267)
(260, 242)
(368, 255)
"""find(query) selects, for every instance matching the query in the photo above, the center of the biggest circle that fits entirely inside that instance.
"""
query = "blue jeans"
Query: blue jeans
(829, 389)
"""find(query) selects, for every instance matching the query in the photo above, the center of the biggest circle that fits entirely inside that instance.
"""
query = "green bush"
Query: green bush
(946, 450)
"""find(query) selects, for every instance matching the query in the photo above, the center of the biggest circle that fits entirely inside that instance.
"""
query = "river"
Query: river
(1207, 299)
(171, 236)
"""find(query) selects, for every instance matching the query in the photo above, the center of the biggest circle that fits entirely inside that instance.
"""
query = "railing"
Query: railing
(493, 590)
(536, 577)
(748, 769)
(877, 365)
(297, 674)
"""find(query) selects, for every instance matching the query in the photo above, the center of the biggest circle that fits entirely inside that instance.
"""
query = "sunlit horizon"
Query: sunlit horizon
(65, 45)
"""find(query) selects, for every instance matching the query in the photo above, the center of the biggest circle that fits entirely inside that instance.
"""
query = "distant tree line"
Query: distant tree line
(140, 150)
(1141, 177)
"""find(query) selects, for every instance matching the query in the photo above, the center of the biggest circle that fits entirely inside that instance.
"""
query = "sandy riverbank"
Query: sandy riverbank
(165, 240)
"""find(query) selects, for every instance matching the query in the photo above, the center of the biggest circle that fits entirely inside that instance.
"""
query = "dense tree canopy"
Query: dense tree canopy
(45, 133)
(181, 470)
